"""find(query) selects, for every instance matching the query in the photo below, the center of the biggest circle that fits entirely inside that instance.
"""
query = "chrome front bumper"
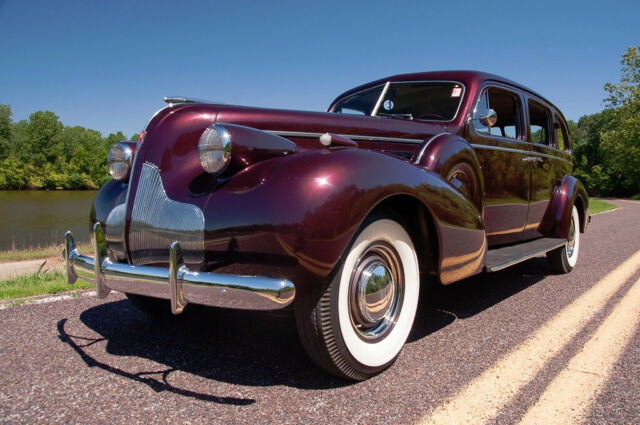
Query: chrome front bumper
(177, 283)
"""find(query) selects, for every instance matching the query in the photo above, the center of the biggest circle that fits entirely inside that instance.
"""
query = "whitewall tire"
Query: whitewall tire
(564, 259)
(364, 315)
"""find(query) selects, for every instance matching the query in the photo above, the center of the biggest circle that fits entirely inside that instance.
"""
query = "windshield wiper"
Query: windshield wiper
(396, 116)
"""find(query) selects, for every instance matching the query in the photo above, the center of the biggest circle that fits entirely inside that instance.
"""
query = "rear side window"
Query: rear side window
(507, 107)
(539, 123)
(561, 133)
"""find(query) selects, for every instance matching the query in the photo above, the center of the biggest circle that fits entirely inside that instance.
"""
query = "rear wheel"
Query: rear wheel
(355, 325)
(563, 259)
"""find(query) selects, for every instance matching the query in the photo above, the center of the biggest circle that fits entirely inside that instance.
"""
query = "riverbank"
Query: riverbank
(53, 252)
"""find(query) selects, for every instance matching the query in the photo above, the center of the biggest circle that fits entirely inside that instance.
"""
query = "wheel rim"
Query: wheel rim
(376, 291)
(572, 238)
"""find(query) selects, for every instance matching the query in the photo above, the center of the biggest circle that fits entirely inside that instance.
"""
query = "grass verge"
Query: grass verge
(596, 206)
(38, 284)
(36, 253)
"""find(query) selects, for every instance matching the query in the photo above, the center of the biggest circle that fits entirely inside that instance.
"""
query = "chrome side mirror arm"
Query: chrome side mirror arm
(489, 119)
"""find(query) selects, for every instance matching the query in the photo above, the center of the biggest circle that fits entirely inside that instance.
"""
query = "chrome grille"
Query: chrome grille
(156, 221)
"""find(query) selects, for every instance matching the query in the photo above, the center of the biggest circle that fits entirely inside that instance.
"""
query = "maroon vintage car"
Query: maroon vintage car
(339, 215)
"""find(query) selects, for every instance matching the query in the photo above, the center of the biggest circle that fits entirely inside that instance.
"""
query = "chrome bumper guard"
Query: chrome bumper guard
(177, 283)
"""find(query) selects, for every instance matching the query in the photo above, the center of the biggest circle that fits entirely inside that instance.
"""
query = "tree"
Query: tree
(5, 131)
(620, 142)
(627, 91)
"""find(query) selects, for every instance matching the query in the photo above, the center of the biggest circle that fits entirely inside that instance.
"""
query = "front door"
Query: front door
(504, 154)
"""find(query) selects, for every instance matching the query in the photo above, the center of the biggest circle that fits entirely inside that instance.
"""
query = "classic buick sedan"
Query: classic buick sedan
(344, 216)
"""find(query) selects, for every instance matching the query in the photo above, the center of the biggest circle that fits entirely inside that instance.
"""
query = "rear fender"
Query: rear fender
(557, 218)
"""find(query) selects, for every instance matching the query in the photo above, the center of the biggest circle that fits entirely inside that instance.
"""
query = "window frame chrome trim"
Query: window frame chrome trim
(524, 113)
(375, 109)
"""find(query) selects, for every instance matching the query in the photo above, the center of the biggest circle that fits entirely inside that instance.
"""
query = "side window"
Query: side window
(538, 123)
(561, 133)
(507, 107)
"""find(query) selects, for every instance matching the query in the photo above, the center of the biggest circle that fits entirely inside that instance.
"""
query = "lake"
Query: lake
(32, 218)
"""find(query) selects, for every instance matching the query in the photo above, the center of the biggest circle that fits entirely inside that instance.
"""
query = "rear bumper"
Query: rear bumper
(178, 283)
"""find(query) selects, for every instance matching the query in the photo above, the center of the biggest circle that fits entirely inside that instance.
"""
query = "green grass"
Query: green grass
(38, 284)
(596, 206)
(39, 252)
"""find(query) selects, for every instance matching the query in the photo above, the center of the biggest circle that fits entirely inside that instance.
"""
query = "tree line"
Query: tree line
(42, 153)
(606, 145)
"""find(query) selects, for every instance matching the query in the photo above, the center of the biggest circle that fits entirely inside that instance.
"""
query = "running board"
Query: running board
(501, 258)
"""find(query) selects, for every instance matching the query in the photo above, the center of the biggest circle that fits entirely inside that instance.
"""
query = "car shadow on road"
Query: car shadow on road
(441, 305)
(258, 348)
(249, 348)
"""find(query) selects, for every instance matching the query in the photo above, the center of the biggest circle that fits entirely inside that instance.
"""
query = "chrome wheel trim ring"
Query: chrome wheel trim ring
(376, 291)
(572, 237)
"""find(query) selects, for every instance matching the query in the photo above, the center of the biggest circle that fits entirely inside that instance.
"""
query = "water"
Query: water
(40, 218)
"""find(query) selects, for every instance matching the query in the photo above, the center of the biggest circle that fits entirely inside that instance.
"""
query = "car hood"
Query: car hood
(292, 124)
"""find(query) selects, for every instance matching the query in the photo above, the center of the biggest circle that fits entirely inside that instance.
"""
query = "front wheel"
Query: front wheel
(355, 325)
(563, 259)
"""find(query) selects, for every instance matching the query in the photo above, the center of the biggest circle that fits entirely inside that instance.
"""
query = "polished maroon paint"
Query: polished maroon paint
(288, 206)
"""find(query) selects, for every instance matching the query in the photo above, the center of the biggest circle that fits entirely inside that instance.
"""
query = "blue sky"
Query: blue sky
(107, 64)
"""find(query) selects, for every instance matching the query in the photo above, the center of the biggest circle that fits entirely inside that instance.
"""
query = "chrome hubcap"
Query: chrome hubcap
(375, 292)
(572, 238)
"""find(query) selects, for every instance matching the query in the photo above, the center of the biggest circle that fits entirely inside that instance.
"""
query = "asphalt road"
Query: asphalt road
(520, 345)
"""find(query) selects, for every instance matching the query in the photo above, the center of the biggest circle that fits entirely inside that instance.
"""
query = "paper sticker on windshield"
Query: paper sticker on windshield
(456, 92)
(388, 104)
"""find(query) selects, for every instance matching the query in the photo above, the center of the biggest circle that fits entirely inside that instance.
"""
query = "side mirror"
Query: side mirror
(489, 119)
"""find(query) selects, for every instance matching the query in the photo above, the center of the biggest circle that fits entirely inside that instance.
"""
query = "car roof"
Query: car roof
(466, 77)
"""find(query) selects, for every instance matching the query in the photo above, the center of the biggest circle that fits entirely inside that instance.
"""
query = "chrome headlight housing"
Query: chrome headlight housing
(119, 160)
(214, 149)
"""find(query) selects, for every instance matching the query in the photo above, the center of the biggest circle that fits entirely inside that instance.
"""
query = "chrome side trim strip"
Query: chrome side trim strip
(284, 133)
(520, 151)
(177, 283)
(426, 145)
(498, 148)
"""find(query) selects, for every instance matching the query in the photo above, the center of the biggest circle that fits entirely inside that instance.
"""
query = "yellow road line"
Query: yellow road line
(483, 398)
(568, 398)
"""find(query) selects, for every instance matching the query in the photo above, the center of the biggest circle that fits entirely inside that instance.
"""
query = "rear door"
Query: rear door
(550, 160)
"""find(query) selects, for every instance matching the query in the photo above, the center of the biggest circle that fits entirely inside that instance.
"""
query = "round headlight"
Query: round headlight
(119, 160)
(214, 149)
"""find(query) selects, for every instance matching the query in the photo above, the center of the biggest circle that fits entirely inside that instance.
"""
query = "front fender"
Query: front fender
(557, 218)
(308, 206)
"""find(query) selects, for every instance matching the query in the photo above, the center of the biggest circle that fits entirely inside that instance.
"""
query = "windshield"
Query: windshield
(425, 100)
